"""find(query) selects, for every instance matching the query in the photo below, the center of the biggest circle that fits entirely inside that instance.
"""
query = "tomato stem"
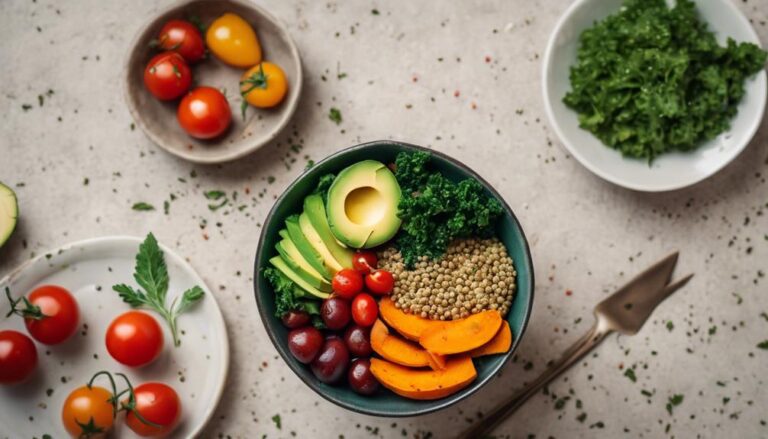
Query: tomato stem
(131, 406)
(113, 399)
(29, 311)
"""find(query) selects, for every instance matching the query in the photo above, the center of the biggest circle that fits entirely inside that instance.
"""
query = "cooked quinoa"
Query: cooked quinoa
(474, 275)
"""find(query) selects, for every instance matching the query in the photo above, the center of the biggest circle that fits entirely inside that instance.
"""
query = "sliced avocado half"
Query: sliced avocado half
(311, 255)
(317, 242)
(292, 256)
(9, 213)
(281, 265)
(362, 205)
(314, 208)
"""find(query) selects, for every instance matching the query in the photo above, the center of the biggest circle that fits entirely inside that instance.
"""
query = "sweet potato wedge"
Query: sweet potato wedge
(409, 326)
(499, 344)
(457, 336)
(425, 384)
(395, 349)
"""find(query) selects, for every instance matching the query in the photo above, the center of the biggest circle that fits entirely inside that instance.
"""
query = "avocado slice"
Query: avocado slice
(292, 256)
(284, 234)
(317, 242)
(362, 205)
(280, 264)
(9, 213)
(311, 255)
(314, 208)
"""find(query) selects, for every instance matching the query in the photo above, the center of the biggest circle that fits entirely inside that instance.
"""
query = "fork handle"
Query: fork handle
(585, 344)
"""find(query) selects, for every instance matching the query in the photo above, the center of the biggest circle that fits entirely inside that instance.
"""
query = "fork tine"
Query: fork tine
(671, 288)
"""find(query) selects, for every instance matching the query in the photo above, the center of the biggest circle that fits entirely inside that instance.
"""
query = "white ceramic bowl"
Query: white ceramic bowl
(670, 171)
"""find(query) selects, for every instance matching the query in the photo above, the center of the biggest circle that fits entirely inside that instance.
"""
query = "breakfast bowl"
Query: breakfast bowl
(158, 119)
(384, 402)
(672, 170)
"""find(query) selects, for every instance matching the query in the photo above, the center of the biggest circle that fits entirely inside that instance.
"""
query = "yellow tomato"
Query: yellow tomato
(233, 40)
(264, 85)
(88, 412)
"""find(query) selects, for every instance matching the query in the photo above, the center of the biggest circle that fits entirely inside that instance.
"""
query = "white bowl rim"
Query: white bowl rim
(637, 186)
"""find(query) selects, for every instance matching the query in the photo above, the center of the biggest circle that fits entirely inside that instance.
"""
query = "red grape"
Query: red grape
(358, 340)
(305, 343)
(332, 362)
(360, 377)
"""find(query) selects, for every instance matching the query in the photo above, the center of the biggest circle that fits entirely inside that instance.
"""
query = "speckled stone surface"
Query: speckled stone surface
(463, 78)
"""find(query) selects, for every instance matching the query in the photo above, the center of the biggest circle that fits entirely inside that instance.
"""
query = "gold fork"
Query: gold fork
(624, 311)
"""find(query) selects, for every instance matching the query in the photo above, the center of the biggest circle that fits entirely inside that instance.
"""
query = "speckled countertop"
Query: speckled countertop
(460, 77)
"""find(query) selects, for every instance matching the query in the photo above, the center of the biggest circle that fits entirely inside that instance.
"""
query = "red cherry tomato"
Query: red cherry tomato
(156, 403)
(364, 261)
(380, 282)
(53, 316)
(182, 37)
(364, 309)
(204, 113)
(134, 339)
(347, 282)
(167, 76)
(18, 357)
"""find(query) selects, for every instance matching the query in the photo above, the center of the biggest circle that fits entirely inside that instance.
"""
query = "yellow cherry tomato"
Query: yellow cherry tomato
(88, 412)
(233, 40)
(264, 85)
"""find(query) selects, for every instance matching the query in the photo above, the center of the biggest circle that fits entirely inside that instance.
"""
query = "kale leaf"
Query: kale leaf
(436, 210)
(289, 296)
(651, 79)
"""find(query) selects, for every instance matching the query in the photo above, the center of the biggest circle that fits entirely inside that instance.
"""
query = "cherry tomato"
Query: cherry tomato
(204, 113)
(364, 261)
(88, 412)
(158, 404)
(233, 41)
(18, 357)
(52, 316)
(347, 282)
(167, 76)
(182, 37)
(364, 309)
(380, 282)
(134, 339)
(264, 85)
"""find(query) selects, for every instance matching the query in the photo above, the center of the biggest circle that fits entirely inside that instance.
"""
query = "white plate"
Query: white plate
(670, 171)
(197, 369)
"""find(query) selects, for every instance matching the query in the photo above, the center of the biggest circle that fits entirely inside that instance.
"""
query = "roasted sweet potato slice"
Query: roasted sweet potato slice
(409, 326)
(424, 383)
(499, 344)
(457, 336)
(395, 349)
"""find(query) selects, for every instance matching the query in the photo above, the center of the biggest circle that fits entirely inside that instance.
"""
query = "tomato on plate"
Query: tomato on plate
(18, 357)
(167, 76)
(232, 40)
(364, 309)
(380, 282)
(157, 403)
(364, 261)
(182, 37)
(134, 339)
(204, 113)
(50, 313)
(88, 412)
(347, 282)
(263, 86)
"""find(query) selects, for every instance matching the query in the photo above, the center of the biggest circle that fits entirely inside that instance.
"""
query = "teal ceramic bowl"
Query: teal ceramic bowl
(386, 403)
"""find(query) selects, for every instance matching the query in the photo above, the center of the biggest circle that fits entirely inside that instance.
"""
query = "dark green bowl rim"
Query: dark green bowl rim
(283, 350)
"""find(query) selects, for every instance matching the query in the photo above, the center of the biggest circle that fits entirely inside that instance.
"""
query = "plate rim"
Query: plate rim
(220, 323)
(291, 104)
(647, 187)
(442, 403)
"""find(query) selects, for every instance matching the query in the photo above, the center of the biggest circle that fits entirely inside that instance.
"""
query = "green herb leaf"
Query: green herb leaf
(142, 206)
(189, 298)
(674, 401)
(335, 115)
(630, 373)
(214, 194)
(276, 420)
(763, 344)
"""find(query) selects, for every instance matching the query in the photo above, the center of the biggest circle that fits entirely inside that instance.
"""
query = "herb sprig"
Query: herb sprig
(151, 273)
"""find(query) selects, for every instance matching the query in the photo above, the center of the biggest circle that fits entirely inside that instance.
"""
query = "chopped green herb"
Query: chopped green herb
(670, 325)
(214, 195)
(142, 206)
(674, 401)
(630, 373)
(335, 115)
(277, 421)
(374, 12)
(763, 344)
(650, 79)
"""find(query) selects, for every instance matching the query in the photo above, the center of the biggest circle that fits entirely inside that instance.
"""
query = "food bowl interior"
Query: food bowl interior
(158, 118)
(670, 171)
(386, 403)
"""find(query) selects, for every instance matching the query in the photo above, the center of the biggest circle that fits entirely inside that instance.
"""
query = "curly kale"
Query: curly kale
(288, 296)
(651, 79)
(323, 185)
(436, 210)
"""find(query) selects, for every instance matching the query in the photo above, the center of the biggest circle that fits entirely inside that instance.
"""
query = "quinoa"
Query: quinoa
(474, 275)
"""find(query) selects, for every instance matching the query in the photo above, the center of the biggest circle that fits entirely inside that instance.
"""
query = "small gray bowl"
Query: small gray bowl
(158, 119)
